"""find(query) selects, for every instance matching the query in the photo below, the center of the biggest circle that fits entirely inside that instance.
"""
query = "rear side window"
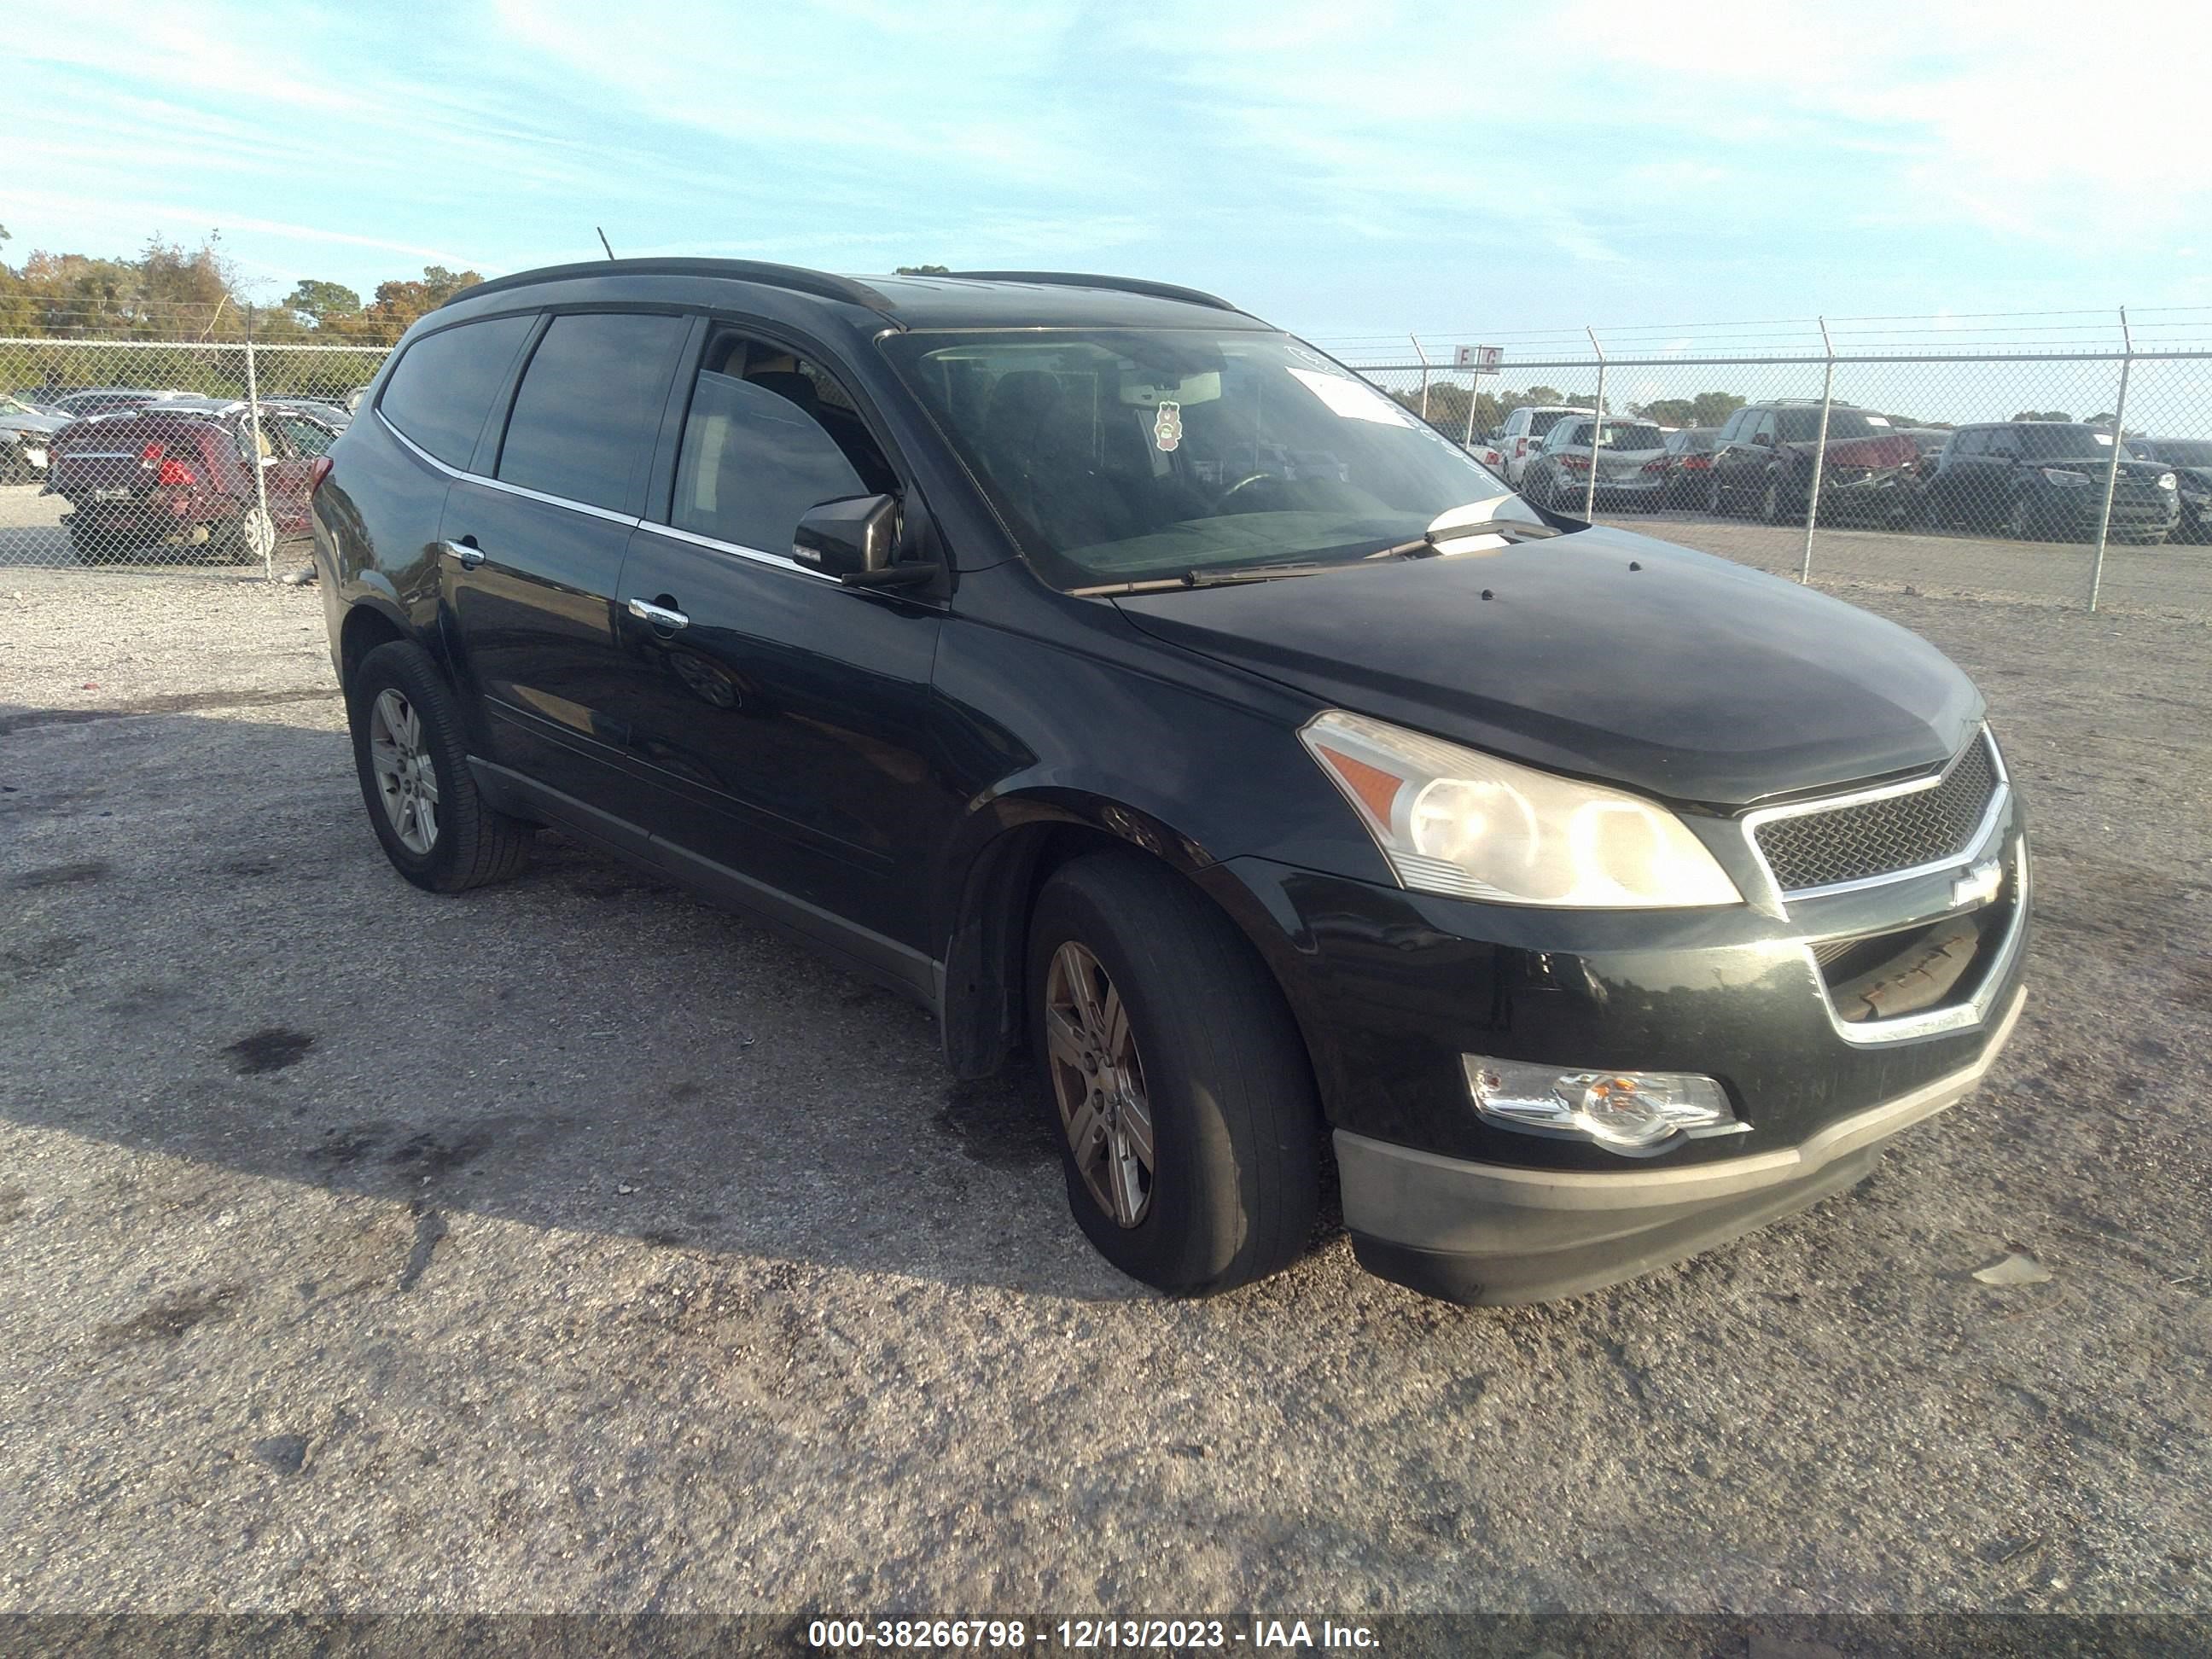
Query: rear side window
(763, 443)
(589, 406)
(443, 388)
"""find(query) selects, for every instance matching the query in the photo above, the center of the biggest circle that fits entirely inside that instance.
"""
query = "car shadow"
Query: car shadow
(204, 955)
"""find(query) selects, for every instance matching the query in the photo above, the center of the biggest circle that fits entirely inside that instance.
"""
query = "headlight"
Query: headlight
(1455, 821)
(2059, 474)
(2165, 481)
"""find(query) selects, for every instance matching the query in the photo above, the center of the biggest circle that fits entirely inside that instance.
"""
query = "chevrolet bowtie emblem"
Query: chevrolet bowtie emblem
(1977, 886)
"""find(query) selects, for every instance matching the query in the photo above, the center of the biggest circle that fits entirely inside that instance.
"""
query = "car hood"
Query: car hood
(1602, 654)
(32, 423)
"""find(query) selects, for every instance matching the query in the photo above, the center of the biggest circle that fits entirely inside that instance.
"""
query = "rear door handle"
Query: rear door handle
(465, 550)
(659, 615)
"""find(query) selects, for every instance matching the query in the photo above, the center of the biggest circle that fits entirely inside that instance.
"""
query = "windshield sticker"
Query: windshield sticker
(1167, 426)
(1354, 400)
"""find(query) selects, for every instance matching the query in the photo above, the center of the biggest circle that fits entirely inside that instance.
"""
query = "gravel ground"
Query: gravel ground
(569, 1246)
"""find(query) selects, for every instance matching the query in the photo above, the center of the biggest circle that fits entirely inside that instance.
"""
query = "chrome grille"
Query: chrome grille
(1880, 837)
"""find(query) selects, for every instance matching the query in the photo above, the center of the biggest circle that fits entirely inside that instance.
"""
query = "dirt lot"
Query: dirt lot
(570, 1246)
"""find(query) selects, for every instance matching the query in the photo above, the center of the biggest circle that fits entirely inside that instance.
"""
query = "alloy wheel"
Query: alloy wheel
(1099, 1082)
(406, 782)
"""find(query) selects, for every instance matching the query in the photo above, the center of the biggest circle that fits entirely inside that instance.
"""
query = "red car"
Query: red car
(180, 476)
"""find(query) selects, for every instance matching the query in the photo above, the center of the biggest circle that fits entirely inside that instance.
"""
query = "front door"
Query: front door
(787, 717)
(532, 543)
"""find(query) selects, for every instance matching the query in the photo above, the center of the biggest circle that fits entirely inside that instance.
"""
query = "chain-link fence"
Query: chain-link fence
(2069, 478)
(2078, 478)
(152, 452)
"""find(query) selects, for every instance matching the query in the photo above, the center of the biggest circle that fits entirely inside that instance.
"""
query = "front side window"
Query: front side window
(1114, 455)
(589, 406)
(768, 435)
(441, 390)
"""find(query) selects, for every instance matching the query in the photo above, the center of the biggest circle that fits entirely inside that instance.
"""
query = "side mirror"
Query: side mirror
(1764, 440)
(853, 539)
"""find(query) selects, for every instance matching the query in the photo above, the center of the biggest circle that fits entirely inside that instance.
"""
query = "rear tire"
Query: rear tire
(249, 538)
(1713, 496)
(460, 840)
(93, 545)
(1770, 504)
(1230, 1112)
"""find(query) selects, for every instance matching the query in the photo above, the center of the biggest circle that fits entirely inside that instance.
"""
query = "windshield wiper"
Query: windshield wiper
(1224, 578)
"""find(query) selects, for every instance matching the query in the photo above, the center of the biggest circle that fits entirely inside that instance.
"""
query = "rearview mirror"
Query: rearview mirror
(853, 539)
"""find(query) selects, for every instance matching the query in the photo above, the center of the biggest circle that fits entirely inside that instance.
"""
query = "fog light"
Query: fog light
(1634, 1113)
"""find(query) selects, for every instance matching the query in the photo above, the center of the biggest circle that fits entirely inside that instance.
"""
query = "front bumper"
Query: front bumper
(1483, 1233)
(1392, 988)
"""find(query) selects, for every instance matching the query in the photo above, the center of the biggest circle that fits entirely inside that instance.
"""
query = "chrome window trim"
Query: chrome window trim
(421, 453)
(1934, 1022)
(104, 455)
(738, 549)
(1999, 799)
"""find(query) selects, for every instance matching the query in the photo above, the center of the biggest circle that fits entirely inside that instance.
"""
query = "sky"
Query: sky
(1354, 172)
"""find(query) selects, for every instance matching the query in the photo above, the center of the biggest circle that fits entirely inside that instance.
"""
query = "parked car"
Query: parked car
(1633, 466)
(1382, 821)
(180, 474)
(1689, 464)
(2034, 480)
(106, 399)
(1522, 432)
(24, 434)
(1763, 464)
(2190, 461)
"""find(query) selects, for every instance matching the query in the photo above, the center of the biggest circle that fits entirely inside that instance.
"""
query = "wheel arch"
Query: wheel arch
(367, 625)
(1017, 842)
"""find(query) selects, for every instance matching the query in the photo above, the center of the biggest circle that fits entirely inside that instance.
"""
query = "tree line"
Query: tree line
(168, 291)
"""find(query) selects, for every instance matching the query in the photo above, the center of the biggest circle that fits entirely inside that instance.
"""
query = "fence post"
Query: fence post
(2112, 461)
(1423, 356)
(260, 471)
(1820, 454)
(1597, 430)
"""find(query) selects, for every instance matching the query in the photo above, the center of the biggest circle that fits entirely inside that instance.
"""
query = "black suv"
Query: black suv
(1583, 900)
(2045, 479)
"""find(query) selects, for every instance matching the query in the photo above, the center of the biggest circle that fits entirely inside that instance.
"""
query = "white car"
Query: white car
(1633, 466)
(1523, 433)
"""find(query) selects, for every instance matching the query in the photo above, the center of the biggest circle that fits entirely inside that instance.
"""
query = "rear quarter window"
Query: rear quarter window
(441, 390)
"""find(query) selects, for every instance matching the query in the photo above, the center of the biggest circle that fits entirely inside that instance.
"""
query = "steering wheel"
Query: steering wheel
(1245, 483)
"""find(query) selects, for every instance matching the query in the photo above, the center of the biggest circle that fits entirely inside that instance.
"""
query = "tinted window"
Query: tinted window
(1542, 420)
(442, 389)
(589, 406)
(1969, 443)
(756, 455)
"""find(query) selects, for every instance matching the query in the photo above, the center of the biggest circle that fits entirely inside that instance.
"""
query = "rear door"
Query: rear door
(532, 538)
(786, 717)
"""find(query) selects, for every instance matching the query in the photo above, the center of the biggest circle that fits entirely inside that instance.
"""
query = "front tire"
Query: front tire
(438, 831)
(1173, 1076)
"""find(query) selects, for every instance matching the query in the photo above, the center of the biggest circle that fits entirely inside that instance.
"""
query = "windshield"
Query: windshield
(1120, 455)
(2056, 442)
(2174, 451)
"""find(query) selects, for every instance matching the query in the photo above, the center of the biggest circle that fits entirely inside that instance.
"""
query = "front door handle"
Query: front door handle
(659, 615)
(467, 550)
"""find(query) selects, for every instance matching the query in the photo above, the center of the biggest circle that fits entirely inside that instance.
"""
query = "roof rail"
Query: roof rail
(1126, 284)
(795, 277)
